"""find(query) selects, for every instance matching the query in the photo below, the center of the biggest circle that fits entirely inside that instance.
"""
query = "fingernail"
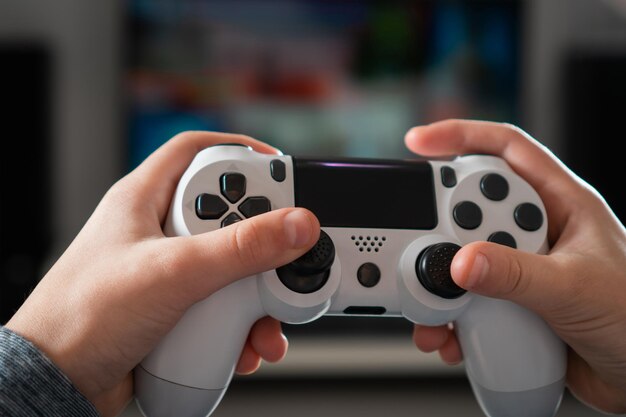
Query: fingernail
(298, 228)
(479, 270)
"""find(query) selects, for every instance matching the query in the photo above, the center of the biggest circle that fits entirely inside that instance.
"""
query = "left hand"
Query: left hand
(122, 285)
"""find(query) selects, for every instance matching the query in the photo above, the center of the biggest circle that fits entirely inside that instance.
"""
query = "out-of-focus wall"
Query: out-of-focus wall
(553, 28)
(84, 39)
(87, 45)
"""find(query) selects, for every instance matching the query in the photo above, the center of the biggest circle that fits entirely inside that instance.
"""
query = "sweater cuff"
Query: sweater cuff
(31, 385)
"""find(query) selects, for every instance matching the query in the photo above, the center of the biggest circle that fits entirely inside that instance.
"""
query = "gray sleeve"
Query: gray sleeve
(31, 385)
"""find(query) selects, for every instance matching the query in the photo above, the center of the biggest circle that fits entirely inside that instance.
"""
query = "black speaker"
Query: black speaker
(594, 107)
(25, 183)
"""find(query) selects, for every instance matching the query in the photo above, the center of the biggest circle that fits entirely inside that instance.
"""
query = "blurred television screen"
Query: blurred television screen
(318, 77)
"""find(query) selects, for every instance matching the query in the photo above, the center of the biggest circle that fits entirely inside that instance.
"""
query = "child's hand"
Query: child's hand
(579, 288)
(122, 285)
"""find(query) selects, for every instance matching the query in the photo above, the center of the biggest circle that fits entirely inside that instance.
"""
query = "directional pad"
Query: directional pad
(254, 206)
(231, 219)
(210, 206)
(503, 238)
(233, 186)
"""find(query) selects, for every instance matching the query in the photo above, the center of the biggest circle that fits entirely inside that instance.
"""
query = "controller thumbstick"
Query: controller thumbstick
(309, 272)
(433, 270)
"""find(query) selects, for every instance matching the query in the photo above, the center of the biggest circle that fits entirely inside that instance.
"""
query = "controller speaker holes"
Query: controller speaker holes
(368, 243)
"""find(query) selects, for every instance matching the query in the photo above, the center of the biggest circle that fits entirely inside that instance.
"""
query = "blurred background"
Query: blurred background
(90, 88)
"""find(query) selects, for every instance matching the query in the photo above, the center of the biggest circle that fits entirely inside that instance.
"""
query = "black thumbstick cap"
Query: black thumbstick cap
(433, 270)
(309, 272)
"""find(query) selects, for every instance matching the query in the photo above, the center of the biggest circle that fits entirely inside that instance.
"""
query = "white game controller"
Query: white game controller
(390, 229)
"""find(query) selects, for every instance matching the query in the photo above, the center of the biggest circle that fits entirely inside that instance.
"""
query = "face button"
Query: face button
(209, 206)
(503, 238)
(448, 176)
(230, 219)
(467, 215)
(233, 186)
(528, 216)
(368, 274)
(433, 270)
(309, 272)
(278, 170)
(254, 206)
(494, 186)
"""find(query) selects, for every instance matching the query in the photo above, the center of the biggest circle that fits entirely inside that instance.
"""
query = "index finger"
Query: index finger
(160, 172)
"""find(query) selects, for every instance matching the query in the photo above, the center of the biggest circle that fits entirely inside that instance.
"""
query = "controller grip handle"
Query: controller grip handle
(514, 361)
(190, 369)
(157, 397)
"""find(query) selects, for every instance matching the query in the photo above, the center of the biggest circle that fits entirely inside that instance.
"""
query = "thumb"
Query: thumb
(207, 262)
(498, 271)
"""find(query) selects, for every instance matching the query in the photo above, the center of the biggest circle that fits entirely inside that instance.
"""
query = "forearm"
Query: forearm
(31, 385)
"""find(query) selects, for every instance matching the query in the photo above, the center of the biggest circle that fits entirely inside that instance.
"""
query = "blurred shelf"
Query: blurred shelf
(327, 357)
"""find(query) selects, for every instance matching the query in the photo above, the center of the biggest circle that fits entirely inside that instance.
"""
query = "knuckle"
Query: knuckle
(182, 136)
(119, 190)
(510, 126)
(248, 244)
(590, 197)
(119, 196)
(514, 129)
(189, 138)
(516, 133)
(126, 195)
(516, 282)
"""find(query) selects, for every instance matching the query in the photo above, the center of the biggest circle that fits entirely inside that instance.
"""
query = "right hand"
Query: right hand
(579, 288)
